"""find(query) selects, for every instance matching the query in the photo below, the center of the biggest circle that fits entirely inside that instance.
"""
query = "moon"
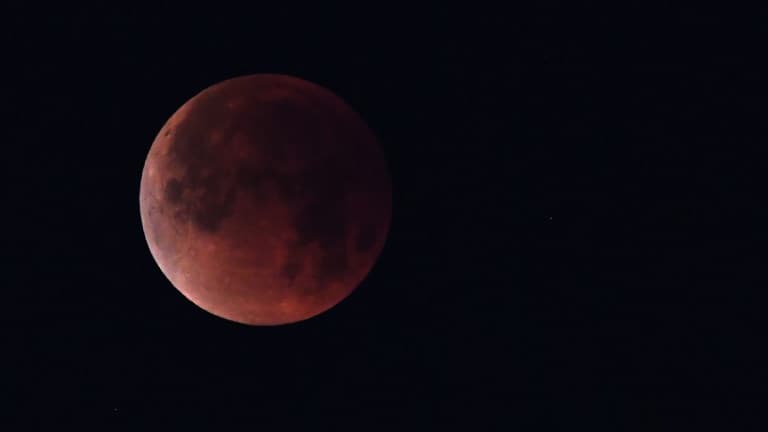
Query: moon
(265, 199)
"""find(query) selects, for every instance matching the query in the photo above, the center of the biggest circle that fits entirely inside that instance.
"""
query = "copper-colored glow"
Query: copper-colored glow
(265, 199)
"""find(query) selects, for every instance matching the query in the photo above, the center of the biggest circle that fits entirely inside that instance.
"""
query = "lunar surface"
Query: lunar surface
(265, 199)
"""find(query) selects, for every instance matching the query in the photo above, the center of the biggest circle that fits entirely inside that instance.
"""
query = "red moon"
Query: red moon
(265, 199)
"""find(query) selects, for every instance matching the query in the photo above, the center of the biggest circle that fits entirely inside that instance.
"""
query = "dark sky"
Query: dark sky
(578, 239)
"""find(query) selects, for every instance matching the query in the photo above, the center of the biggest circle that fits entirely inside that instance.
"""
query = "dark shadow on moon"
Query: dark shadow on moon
(202, 195)
(173, 191)
(366, 238)
(292, 268)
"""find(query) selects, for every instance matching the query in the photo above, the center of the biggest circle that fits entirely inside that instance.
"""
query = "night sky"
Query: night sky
(578, 237)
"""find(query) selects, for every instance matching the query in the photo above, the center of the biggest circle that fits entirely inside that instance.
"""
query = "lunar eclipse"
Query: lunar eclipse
(265, 199)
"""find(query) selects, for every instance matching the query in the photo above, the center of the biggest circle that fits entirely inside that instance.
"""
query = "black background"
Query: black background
(578, 238)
